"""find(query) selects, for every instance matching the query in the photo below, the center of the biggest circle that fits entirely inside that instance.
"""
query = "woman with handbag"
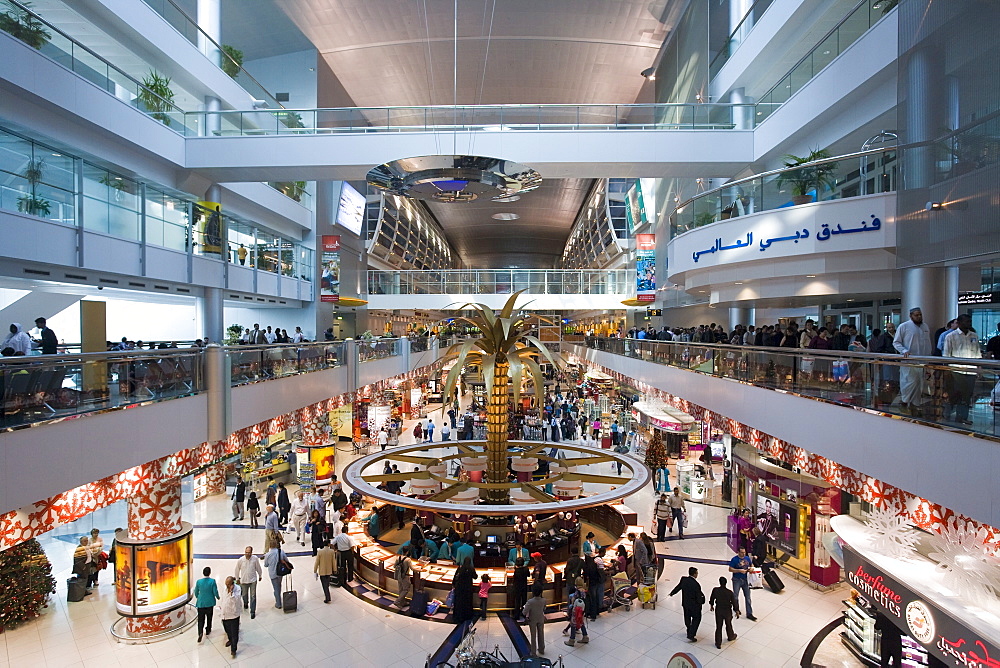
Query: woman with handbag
(318, 530)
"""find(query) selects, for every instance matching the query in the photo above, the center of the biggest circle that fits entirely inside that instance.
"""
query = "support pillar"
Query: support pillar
(740, 315)
(742, 116)
(162, 572)
(209, 17)
(211, 315)
(934, 290)
(216, 479)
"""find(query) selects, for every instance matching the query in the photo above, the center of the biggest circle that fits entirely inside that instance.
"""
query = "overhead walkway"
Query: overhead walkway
(845, 407)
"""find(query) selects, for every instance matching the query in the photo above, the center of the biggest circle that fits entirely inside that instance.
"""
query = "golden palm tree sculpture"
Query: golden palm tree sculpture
(505, 351)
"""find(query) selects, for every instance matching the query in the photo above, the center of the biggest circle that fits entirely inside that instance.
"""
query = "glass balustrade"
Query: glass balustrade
(502, 281)
(249, 364)
(942, 391)
(38, 388)
(480, 118)
(377, 349)
(838, 177)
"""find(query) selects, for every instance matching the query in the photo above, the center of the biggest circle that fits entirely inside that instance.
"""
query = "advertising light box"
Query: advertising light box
(153, 577)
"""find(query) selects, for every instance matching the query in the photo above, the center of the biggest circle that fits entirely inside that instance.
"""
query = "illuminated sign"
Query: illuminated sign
(941, 634)
(153, 577)
(778, 521)
(645, 267)
(329, 266)
(976, 298)
(351, 210)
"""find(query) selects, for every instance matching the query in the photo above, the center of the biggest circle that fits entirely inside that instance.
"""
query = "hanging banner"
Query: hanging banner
(329, 266)
(645, 267)
(209, 221)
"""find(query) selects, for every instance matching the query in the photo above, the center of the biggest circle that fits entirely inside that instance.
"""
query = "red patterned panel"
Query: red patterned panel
(216, 479)
(155, 512)
(156, 623)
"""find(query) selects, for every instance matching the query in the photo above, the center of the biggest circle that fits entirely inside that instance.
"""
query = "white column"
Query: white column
(934, 290)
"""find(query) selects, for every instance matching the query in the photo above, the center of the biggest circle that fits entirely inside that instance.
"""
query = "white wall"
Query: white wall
(288, 73)
(135, 320)
(286, 318)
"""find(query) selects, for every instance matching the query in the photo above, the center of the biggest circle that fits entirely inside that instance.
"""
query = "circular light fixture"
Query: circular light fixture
(505, 216)
(512, 198)
(453, 178)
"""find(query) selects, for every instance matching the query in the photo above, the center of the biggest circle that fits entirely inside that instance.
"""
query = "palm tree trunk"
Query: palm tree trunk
(496, 434)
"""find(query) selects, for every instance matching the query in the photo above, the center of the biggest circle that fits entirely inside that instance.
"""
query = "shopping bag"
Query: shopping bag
(449, 600)
(684, 519)
(840, 371)
(432, 606)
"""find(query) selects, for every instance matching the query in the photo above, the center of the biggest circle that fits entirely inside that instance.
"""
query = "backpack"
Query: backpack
(577, 612)
(401, 568)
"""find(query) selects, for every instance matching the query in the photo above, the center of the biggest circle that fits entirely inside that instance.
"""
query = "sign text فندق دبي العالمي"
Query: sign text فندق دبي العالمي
(825, 232)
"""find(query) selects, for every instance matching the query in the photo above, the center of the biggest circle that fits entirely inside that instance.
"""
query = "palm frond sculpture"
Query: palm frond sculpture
(505, 351)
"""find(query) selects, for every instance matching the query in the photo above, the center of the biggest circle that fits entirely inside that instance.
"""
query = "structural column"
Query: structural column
(162, 571)
(216, 479)
(211, 311)
(934, 290)
(740, 315)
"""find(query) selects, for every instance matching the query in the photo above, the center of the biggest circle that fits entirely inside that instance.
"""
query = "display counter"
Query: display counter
(375, 562)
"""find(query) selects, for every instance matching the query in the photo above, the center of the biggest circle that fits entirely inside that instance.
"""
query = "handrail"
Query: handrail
(780, 170)
(729, 38)
(104, 60)
(218, 46)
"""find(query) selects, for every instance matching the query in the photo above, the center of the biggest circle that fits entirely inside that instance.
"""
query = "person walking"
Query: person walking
(577, 615)
(323, 566)
(739, 566)
(239, 496)
(300, 515)
(206, 593)
(484, 594)
(723, 602)
(692, 598)
(231, 605)
(534, 611)
(640, 557)
(913, 338)
(253, 509)
(271, 560)
(345, 545)
(677, 509)
(272, 529)
(317, 529)
(662, 513)
(429, 431)
(960, 342)
(248, 574)
(284, 505)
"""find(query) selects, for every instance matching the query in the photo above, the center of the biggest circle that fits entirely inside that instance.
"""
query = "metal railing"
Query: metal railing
(941, 391)
(39, 388)
(474, 118)
(76, 57)
(502, 281)
(777, 188)
(377, 349)
(847, 31)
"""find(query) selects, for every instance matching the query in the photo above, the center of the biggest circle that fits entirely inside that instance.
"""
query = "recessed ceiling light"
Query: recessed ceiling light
(738, 283)
(505, 216)
(512, 198)
(57, 155)
(702, 291)
(810, 275)
(850, 300)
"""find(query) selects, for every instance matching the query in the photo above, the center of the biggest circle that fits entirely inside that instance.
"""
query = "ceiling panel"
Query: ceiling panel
(535, 240)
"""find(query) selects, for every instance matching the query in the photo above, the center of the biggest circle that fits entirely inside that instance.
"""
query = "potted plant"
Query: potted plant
(704, 218)
(157, 96)
(24, 25)
(290, 119)
(807, 178)
(30, 202)
(293, 189)
(117, 183)
(232, 60)
(233, 333)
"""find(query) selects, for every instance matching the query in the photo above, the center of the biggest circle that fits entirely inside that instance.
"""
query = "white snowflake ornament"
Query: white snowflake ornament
(894, 536)
(968, 566)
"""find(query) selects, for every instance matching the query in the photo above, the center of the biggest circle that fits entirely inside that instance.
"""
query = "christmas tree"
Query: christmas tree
(25, 583)
(656, 452)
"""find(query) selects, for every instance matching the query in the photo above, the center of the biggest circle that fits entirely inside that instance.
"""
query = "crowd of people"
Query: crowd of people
(42, 340)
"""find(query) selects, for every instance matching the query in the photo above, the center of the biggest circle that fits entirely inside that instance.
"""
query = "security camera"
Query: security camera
(100, 287)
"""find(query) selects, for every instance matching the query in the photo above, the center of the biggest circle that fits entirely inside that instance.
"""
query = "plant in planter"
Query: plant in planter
(30, 202)
(22, 24)
(704, 218)
(294, 189)
(119, 184)
(233, 333)
(290, 119)
(232, 60)
(807, 178)
(157, 96)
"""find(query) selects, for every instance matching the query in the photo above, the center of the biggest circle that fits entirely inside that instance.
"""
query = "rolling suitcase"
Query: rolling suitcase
(76, 589)
(289, 598)
(774, 583)
(418, 604)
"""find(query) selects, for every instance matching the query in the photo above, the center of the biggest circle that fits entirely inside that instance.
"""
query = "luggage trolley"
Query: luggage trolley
(647, 590)
(622, 592)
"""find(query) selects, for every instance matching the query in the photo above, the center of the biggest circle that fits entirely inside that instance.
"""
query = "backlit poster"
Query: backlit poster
(351, 209)
(329, 266)
(778, 522)
(152, 578)
(208, 216)
(645, 267)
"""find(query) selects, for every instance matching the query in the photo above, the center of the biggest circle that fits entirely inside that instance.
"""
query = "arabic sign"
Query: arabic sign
(853, 224)
(329, 264)
(824, 233)
(940, 634)
(645, 267)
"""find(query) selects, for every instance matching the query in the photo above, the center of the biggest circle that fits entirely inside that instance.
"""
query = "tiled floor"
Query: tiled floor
(350, 632)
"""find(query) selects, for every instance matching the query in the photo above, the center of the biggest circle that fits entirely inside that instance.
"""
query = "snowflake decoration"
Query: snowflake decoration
(968, 566)
(895, 538)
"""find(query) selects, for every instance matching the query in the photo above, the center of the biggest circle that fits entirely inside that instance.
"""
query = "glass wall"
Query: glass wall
(36, 179)
(167, 219)
(593, 241)
(110, 203)
(407, 236)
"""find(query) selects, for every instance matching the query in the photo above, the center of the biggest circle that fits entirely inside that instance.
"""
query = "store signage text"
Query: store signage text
(976, 298)
(874, 586)
(824, 233)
